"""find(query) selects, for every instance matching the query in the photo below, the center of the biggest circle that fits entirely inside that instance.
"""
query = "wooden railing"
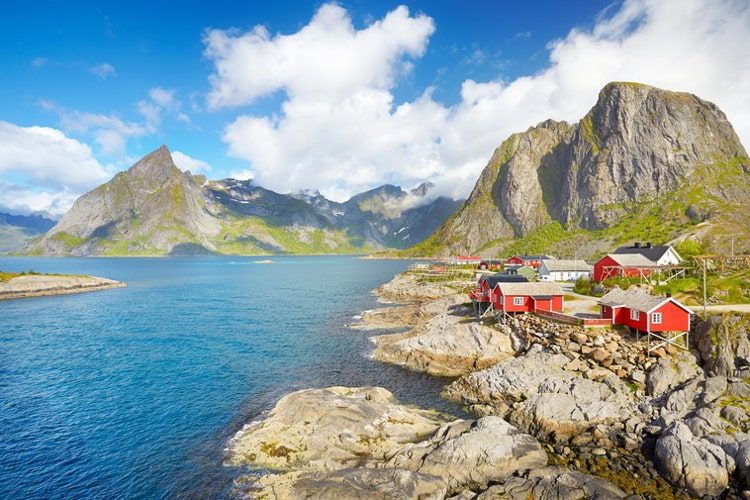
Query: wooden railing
(573, 320)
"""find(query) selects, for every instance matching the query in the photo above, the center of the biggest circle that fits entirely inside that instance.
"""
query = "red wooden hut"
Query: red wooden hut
(528, 297)
(623, 265)
(527, 260)
(644, 312)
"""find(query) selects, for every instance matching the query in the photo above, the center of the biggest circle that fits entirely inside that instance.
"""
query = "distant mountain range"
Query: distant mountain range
(645, 164)
(17, 231)
(154, 208)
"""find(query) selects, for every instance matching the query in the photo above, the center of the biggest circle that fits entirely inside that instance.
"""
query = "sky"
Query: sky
(338, 97)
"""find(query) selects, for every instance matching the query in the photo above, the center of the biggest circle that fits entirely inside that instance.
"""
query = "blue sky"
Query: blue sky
(122, 78)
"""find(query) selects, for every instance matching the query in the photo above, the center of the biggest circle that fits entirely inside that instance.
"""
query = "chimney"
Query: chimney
(637, 244)
(648, 245)
(669, 295)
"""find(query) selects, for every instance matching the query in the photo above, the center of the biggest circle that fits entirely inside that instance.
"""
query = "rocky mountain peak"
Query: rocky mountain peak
(639, 146)
(422, 189)
(157, 166)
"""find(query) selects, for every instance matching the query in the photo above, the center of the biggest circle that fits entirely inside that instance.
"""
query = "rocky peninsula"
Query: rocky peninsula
(23, 285)
(561, 412)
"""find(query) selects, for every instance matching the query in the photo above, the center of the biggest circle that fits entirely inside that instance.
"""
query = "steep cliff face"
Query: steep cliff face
(639, 149)
(153, 208)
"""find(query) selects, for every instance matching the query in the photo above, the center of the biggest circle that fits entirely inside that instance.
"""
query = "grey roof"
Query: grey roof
(652, 253)
(538, 288)
(635, 298)
(532, 257)
(634, 259)
(494, 279)
(566, 265)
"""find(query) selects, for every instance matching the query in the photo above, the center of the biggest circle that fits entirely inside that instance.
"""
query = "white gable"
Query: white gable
(670, 258)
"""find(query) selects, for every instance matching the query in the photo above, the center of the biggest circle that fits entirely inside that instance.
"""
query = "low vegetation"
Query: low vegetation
(729, 288)
(5, 276)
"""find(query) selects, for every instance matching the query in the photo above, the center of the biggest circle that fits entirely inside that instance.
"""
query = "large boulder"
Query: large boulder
(512, 380)
(553, 483)
(331, 429)
(562, 409)
(668, 373)
(541, 397)
(724, 344)
(352, 484)
(449, 344)
(699, 466)
(471, 455)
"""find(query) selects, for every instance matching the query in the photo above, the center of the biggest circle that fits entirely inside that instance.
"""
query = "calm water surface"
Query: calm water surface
(134, 392)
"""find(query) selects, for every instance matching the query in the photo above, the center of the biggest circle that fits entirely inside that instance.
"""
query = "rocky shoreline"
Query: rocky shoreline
(40, 285)
(586, 412)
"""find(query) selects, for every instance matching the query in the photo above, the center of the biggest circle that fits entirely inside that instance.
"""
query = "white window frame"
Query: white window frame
(654, 317)
(635, 315)
(517, 301)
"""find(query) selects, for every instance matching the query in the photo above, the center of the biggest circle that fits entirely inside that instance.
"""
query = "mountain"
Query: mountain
(16, 231)
(154, 208)
(643, 164)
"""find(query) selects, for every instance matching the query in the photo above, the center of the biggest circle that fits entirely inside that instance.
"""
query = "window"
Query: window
(517, 301)
(635, 315)
(656, 318)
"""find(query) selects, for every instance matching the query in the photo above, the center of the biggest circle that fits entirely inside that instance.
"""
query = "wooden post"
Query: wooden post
(705, 300)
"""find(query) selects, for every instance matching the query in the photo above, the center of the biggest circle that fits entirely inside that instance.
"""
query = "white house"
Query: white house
(563, 270)
(662, 255)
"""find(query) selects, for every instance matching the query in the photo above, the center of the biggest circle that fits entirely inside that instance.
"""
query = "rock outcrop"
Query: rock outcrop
(638, 148)
(449, 344)
(724, 345)
(543, 398)
(553, 483)
(332, 429)
(360, 443)
(38, 285)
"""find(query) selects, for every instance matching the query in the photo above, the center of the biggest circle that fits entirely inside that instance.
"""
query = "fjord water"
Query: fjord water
(134, 392)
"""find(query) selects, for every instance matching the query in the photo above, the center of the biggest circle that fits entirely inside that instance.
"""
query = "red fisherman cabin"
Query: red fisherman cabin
(528, 297)
(644, 312)
(486, 289)
(527, 260)
(623, 265)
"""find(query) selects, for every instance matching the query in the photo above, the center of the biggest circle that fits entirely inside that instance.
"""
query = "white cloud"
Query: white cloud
(22, 200)
(103, 70)
(339, 128)
(110, 132)
(328, 58)
(47, 168)
(242, 175)
(47, 155)
(185, 162)
(163, 97)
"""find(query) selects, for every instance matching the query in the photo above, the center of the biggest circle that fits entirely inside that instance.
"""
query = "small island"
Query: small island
(32, 284)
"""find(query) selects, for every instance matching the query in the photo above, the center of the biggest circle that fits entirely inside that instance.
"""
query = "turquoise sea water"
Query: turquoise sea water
(134, 392)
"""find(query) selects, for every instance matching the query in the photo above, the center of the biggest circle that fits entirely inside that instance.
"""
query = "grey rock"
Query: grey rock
(697, 465)
(553, 483)
(472, 456)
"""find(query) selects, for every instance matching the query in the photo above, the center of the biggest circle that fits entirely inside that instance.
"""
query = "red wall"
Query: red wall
(674, 319)
(600, 274)
(555, 304)
(599, 271)
(515, 260)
